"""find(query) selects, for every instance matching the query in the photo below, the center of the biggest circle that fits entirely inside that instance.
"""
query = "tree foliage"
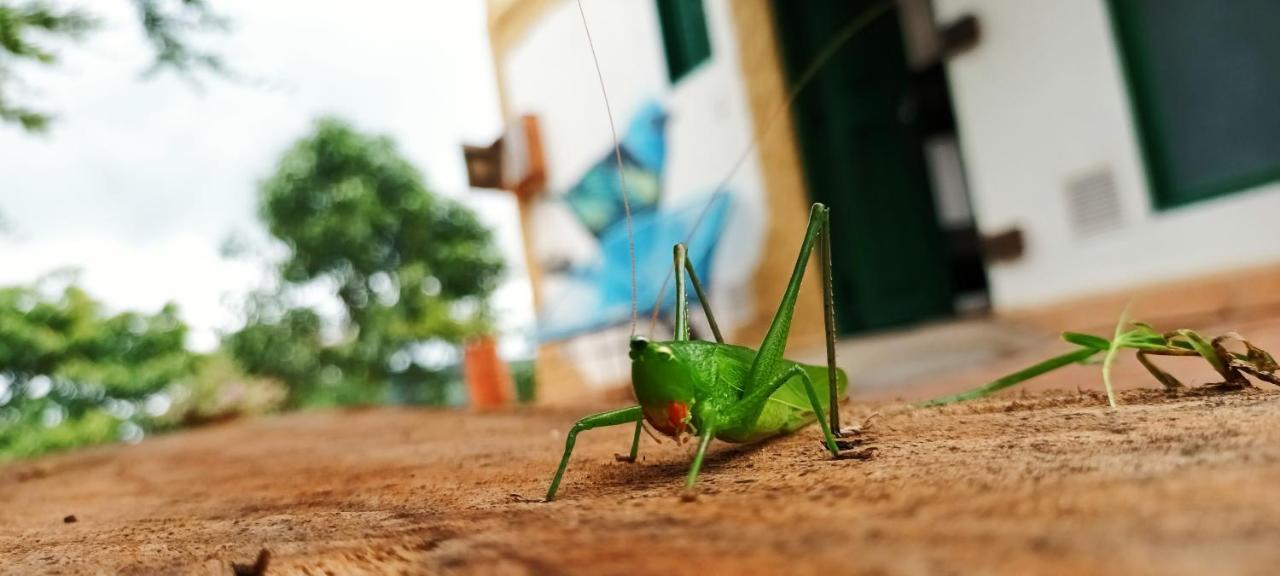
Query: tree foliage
(168, 25)
(408, 266)
(71, 373)
(32, 30)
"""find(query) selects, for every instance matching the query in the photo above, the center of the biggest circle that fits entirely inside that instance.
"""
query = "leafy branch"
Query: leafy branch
(169, 26)
(1232, 366)
(30, 31)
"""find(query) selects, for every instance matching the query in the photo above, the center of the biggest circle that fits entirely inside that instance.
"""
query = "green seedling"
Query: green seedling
(689, 388)
(1232, 366)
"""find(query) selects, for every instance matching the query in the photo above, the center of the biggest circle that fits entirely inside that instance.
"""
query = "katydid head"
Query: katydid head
(663, 385)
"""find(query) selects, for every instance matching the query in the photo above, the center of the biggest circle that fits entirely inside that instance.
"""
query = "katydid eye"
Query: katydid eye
(665, 353)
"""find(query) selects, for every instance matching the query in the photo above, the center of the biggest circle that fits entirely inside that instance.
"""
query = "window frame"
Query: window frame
(686, 36)
(1135, 62)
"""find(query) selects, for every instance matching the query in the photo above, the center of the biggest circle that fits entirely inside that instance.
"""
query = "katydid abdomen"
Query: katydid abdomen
(788, 409)
(679, 383)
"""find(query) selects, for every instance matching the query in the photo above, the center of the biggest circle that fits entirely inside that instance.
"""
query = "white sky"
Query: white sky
(139, 181)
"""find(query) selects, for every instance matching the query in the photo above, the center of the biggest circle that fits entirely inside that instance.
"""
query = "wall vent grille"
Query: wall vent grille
(1093, 203)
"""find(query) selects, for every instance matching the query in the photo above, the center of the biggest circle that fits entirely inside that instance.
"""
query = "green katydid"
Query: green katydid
(722, 391)
(731, 393)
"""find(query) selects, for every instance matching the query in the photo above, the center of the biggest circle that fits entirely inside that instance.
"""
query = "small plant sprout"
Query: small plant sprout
(1232, 366)
(1113, 347)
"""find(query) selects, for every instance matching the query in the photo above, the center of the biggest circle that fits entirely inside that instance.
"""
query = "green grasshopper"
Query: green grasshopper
(730, 393)
(688, 388)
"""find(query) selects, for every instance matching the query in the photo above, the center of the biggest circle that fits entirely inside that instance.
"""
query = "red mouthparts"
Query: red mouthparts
(669, 418)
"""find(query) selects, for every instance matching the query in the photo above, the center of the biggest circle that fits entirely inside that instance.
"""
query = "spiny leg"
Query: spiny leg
(635, 445)
(682, 301)
(747, 409)
(610, 418)
(706, 434)
(763, 367)
(827, 433)
(775, 340)
(829, 321)
(682, 264)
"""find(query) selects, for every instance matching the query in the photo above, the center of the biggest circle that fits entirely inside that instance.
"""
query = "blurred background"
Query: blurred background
(219, 208)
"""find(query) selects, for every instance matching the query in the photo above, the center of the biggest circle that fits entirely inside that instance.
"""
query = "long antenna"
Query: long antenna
(622, 178)
(847, 33)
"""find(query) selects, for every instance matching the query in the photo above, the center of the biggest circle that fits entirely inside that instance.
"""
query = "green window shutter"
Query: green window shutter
(684, 36)
(1203, 81)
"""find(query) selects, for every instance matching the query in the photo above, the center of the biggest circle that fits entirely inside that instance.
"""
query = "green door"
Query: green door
(863, 157)
(1202, 78)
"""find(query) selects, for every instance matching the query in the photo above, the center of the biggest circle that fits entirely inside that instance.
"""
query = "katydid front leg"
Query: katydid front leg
(635, 445)
(710, 425)
(746, 411)
(610, 418)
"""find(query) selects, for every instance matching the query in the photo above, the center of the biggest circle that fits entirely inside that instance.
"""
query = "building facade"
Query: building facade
(1033, 159)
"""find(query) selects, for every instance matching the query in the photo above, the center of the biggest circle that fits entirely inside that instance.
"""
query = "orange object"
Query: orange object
(488, 379)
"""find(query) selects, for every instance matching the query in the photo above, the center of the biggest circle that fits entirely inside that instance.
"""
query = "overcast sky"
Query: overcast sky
(139, 181)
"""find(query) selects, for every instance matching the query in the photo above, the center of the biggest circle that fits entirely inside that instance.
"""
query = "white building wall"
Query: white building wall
(550, 74)
(1041, 101)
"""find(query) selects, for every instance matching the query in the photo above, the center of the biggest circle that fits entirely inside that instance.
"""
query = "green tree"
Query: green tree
(71, 374)
(409, 267)
(31, 31)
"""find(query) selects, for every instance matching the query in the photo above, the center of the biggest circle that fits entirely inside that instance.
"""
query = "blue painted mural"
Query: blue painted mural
(597, 295)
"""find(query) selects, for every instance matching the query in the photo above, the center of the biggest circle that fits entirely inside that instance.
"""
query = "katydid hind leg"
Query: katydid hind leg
(829, 323)
(610, 418)
(765, 365)
(748, 409)
(775, 340)
(827, 432)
